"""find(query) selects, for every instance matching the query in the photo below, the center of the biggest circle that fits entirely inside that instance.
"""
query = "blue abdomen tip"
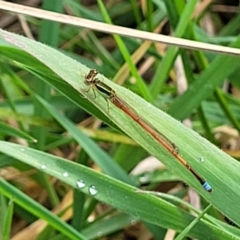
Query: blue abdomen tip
(207, 187)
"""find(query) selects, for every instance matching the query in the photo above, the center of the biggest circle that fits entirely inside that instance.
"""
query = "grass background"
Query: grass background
(45, 100)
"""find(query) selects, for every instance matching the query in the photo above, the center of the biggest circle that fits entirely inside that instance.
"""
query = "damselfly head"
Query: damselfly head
(91, 75)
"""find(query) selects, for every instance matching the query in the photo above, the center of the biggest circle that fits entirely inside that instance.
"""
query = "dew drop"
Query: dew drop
(133, 222)
(43, 166)
(92, 190)
(202, 159)
(65, 174)
(99, 234)
(22, 149)
(81, 184)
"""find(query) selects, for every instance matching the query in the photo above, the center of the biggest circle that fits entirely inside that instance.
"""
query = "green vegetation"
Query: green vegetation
(66, 152)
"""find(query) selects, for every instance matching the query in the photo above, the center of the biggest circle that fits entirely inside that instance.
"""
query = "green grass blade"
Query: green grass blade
(108, 190)
(171, 54)
(141, 84)
(6, 230)
(220, 170)
(205, 84)
(100, 157)
(36, 209)
(184, 233)
(10, 131)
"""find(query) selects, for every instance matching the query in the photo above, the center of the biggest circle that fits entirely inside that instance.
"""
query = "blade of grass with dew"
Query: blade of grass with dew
(106, 189)
(100, 157)
(220, 170)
